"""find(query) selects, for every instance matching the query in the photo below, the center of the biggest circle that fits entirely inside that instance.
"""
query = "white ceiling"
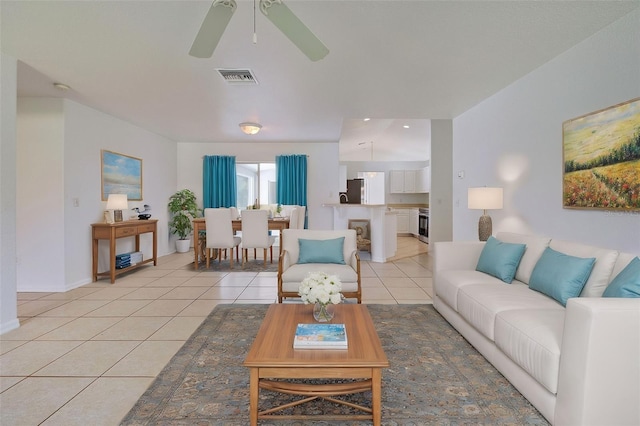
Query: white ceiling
(394, 61)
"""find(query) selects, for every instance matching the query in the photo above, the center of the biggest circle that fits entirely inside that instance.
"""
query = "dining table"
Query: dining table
(199, 225)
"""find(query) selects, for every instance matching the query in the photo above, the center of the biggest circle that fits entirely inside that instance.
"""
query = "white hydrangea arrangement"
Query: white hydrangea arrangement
(321, 288)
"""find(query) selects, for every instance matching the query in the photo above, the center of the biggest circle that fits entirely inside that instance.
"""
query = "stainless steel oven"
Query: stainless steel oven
(423, 225)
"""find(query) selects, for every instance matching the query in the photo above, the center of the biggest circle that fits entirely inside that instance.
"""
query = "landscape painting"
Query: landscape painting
(601, 156)
(121, 174)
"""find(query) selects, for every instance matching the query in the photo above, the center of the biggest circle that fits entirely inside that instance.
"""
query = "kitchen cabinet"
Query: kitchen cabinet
(402, 226)
(402, 181)
(413, 222)
(423, 180)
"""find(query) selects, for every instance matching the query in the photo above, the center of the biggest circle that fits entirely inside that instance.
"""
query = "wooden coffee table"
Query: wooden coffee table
(272, 357)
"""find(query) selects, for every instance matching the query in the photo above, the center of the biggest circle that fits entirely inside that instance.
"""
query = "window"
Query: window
(255, 181)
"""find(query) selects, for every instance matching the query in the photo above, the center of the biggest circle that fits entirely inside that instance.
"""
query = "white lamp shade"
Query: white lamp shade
(484, 198)
(117, 202)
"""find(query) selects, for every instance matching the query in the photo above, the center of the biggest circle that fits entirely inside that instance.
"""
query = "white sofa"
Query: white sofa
(578, 365)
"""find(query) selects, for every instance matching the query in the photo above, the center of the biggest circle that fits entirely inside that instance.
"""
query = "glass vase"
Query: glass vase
(323, 312)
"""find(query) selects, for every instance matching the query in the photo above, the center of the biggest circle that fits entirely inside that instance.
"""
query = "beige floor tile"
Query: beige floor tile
(371, 282)
(37, 307)
(376, 293)
(45, 395)
(169, 281)
(163, 308)
(183, 292)
(202, 281)
(80, 329)
(391, 272)
(29, 295)
(119, 308)
(152, 272)
(239, 279)
(426, 301)
(32, 328)
(6, 383)
(417, 295)
(9, 345)
(133, 328)
(179, 328)
(264, 281)
(146, 293)
(202, 307)
(269, 293)
(71, 294)
(146, 360)
(75, 308)
(109, 293)
(32, 356)
(91, 358)
(184, 273)
(405, 282)
(131, 280)
(103, 403)
(227, 293)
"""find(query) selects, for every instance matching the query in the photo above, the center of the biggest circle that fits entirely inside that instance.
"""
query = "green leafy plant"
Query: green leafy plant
(184, 209)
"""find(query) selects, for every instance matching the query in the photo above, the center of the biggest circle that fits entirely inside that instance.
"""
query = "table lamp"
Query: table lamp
(117, 203)
(484, 199)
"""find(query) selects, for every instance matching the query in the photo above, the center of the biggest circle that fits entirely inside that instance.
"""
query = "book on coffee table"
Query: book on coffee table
(320, 336)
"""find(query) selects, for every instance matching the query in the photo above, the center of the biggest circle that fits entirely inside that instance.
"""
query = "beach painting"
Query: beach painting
(121, 174)
(601, 158)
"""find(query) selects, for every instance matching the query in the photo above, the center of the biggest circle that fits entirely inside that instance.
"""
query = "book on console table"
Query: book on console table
(320, 336)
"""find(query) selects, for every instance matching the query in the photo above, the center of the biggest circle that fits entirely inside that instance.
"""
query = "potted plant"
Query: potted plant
(184, 209)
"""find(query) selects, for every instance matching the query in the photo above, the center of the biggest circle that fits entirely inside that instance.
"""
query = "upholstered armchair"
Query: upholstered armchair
(333, 252)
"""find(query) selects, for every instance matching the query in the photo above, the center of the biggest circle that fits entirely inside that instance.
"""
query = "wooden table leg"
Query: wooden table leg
(253, 395)
(196, 246)
(376, 395)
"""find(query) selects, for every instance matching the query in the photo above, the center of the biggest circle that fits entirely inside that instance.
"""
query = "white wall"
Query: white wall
(514, 140)
(440, 203)
(322, 170)
(66, 138)
(8, 286)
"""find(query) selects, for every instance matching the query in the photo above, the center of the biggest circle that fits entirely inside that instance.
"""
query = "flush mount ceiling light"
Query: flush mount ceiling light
(61, 86)
(250, 128)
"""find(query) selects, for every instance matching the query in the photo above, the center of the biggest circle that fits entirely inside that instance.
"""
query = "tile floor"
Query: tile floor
(84, 357)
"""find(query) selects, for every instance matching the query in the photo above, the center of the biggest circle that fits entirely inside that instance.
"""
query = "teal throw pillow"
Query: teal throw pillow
(560, 275)
(321, 251)
(626, 283)
(500, 259)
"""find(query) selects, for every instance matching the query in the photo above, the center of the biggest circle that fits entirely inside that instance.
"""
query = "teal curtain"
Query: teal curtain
(219, 181)
(291, 177)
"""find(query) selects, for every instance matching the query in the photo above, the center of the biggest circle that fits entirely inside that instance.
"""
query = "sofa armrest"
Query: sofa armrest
(599, 379)
(458, 255)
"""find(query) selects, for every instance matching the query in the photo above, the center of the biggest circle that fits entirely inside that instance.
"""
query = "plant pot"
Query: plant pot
(183, 246)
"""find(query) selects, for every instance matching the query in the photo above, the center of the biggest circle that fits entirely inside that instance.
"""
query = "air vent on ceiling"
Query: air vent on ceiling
(244, 76)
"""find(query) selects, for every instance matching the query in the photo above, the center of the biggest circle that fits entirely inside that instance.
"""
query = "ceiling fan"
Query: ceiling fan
(277, 12)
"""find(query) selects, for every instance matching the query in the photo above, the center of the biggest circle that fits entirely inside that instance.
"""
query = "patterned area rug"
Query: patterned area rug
(251, 265)
(435, 376)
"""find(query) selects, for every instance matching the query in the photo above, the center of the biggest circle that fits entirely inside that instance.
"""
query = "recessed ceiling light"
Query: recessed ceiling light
(406, 126)
(61, 86)
(366, 119)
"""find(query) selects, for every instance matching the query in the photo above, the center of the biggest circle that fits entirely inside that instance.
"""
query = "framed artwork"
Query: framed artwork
(121, 174)
(601, 159)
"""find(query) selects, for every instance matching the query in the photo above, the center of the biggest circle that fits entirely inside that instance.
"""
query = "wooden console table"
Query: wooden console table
(113, 231)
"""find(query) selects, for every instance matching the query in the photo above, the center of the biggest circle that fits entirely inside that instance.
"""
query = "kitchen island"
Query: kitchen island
(382, 225)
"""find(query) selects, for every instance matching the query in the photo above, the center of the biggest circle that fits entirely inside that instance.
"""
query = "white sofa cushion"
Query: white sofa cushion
(449, 282)
(601, 272)
(532, 339)
(621, 263)
(480, 303)
(535, 247)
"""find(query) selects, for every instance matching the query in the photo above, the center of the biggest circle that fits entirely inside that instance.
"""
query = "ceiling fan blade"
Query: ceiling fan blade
(212, 28)
(292, 27)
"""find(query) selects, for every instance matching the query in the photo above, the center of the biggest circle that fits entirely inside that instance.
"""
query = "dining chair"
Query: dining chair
(255, 233)
(220, 233)
(302, 211)
(293, 218)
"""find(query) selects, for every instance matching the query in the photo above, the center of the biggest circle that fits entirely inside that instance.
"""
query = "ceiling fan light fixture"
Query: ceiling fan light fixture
(250, 128)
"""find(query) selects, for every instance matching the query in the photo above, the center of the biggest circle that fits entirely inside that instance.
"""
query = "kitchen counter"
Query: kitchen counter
(381, 226)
